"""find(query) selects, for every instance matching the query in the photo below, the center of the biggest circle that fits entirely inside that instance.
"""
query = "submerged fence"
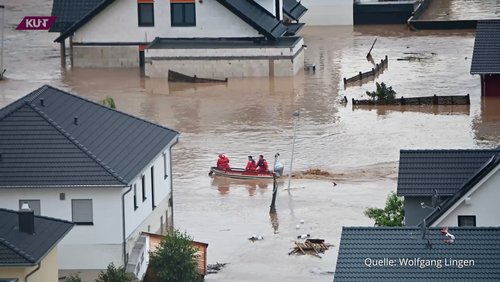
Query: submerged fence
(372, 73)
(429, 100)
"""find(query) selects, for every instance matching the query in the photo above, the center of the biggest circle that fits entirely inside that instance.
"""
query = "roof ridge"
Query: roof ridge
(38, 216)
(76, 143)
(111, 109)
(17, 250)
(22, 101)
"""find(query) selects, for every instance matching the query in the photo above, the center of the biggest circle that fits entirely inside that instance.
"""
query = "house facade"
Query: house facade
(475, 204)
(428, 178)
(486, 57)
(106, 171)
(119, 34)
(28, 245)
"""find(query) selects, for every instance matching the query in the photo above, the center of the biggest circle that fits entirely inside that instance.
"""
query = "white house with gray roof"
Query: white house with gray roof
(439, 174)
(104, 170)
(211, 38)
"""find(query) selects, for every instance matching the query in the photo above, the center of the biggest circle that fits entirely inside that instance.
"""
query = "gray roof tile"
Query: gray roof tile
(257, 17)
(422, 171)
(359, 243)
(68, 12)
(41, 145)
(293, 9)
(19, 248)
(486, 56)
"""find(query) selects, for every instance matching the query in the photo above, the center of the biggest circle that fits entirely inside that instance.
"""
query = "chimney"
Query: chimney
(26, 217)
(42, 102)
(75, 120)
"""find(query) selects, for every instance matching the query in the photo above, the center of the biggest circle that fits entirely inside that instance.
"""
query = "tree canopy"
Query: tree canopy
(392, 215)
(382, 93)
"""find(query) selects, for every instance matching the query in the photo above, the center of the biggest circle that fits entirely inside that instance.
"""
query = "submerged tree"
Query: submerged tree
(382, 93)
(115, 274)
(73, 278)
(174, 259)
(392, 215)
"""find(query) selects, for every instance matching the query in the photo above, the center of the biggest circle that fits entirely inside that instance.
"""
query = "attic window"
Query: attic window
(182, 13)
(466, 220)
(146, 13)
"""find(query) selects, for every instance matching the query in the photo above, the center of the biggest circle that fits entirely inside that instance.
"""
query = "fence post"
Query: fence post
(360, 75)
(467, 99)
(435, 99)
(345, 80)
(386, 61)
(378, 67)
(402, 100)
(353, 101)
(373, 71)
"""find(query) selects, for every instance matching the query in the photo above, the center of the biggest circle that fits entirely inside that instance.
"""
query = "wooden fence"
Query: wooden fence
(430, 100)
(372, 73)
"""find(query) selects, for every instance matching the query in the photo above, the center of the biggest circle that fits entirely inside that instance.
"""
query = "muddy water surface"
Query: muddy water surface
(360, 146)
(462, 10)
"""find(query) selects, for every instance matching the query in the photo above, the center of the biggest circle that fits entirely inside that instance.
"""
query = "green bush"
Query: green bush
(115, 274)
(174, 259)
(392, 215)
(73, 278)
(382, 93)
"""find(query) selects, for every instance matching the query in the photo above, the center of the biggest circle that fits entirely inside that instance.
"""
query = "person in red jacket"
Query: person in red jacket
(262, 165)
(251, 164)
(223, 162)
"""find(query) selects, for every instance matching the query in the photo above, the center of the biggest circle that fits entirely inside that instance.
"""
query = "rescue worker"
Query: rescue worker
(262, 165)
(223, 162)
(251, 166)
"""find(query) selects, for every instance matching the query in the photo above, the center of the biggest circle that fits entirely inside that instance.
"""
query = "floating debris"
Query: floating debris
(256, 238)
(311, 246)
(214, 268)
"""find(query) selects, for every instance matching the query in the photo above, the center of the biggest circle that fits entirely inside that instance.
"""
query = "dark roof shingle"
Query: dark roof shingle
(480, 245)
(486, 56)
(68, 12)
(422, 171)
(293, 9)
(19, 248)
(257, 17)
(44, 146)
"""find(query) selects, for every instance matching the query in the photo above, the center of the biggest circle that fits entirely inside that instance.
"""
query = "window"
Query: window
(466, 220)
(146, 14)
(143, 182)
(135, 197)
(153, 187)
(82, 212)
(165, 173)
(34, 205)
(183, 14)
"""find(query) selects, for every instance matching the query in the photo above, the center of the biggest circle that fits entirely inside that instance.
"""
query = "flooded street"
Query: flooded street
(359, 147)
(462, 10)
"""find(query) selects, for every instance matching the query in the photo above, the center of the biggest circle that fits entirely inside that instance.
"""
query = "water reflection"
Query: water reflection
(225, 184)
(275, 224)
(487, 125)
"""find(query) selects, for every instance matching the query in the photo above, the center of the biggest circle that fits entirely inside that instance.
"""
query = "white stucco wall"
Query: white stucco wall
(328, 12)
(483, 203)
(95, 246)
(119, 23)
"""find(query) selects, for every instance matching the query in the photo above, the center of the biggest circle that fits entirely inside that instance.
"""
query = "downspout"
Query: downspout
(32, 272)
(171, 181)
(123, 227)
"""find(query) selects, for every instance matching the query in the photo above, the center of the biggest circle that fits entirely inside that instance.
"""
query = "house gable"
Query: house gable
(123, 145)
(478, 198)
(69, 12)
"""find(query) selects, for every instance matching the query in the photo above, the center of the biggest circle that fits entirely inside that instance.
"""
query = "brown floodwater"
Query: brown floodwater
(358, 146)
(462, 10)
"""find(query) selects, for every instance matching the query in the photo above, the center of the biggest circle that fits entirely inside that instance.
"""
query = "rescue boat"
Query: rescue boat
(241, 173)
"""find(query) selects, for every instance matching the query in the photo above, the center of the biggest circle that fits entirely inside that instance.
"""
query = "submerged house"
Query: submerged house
(28, 245)
(402, 254)
(486, 56)
(104, 170)
(428, 178)
(214, 38)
